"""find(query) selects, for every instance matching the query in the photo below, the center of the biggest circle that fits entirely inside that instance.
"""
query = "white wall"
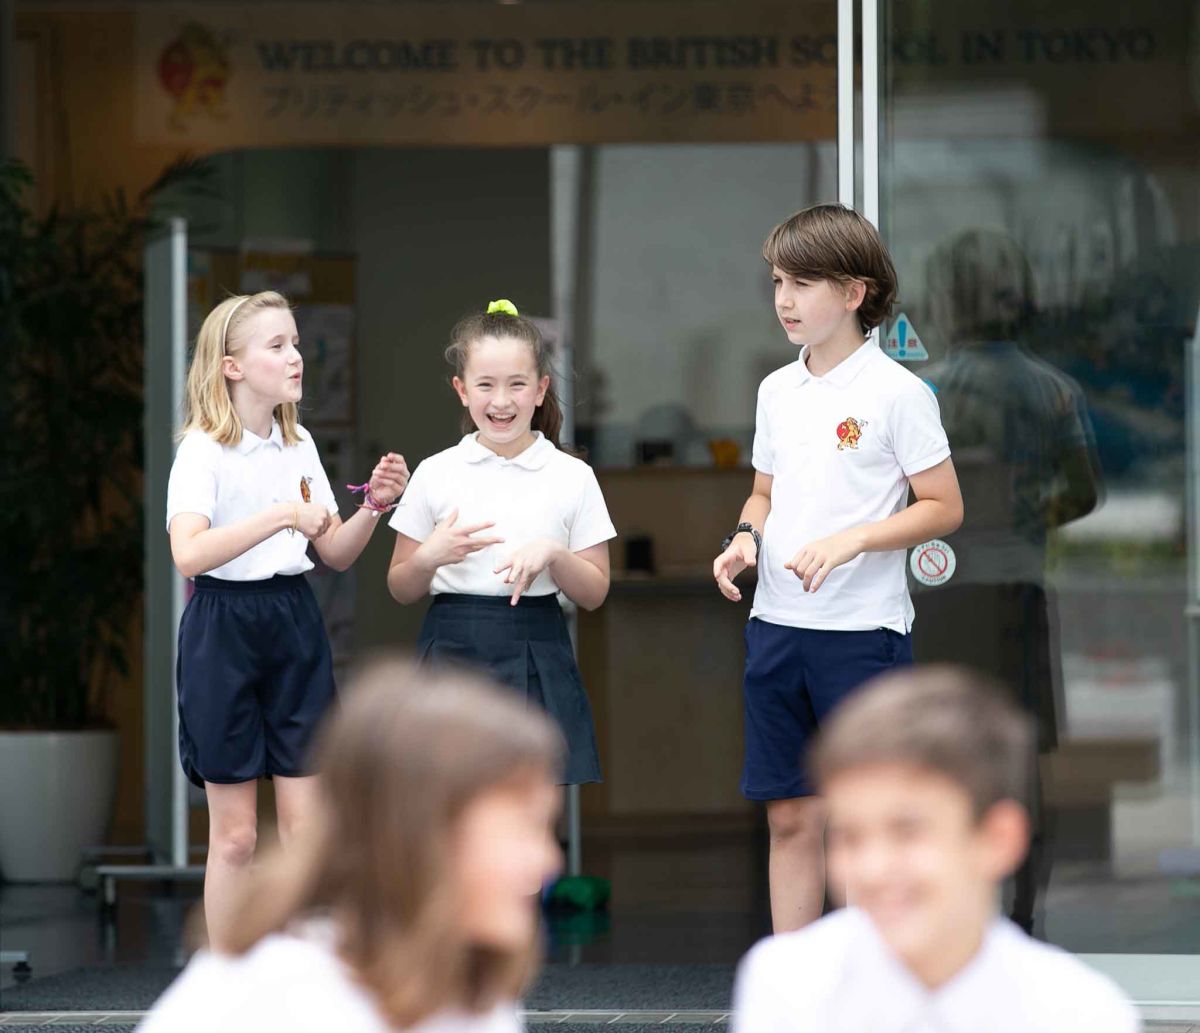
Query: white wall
(680, 312)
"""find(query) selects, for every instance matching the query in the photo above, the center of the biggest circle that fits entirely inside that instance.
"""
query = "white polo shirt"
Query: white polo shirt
(840, 449)
(228, 483)
(291, 983)
(541, 493)
(838, 975)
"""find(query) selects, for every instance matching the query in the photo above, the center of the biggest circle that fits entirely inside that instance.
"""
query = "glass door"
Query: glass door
(1034, 170)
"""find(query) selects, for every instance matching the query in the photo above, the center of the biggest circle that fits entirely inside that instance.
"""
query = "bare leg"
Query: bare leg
(232, 835)
(295, 803)
(797, 867)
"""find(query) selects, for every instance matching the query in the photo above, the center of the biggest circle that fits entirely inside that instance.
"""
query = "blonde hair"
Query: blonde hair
(406, 752)
(208, 405)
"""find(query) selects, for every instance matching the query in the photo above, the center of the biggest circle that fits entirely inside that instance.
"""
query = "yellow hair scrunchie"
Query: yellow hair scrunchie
(503, 305)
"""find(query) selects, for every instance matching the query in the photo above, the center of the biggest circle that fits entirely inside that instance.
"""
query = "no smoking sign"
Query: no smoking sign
(932, 563)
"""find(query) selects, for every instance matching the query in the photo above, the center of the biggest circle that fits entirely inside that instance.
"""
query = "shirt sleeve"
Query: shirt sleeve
(319, 486)
(592, 524)
(189, 1001)
(762, 454)
(758, 1006)
(1076, 429)
(1108, 1011)
(192, 485)
(504, 1018)
(413, 517)
(919, 441)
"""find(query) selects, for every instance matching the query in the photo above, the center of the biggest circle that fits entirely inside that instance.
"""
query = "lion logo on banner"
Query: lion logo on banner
(194, 69)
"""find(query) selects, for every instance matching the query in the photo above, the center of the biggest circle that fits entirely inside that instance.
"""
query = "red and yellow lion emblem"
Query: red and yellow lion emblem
(849, 431)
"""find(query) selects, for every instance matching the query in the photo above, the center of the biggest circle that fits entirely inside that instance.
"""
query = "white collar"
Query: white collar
(535, 457)
(845, 371)
(250, 441)
(958, 1002)
(899, 1002)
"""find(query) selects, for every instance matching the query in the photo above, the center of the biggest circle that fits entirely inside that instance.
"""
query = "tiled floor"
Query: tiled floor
(118, 1021)
(685, 901)
(104, 1020)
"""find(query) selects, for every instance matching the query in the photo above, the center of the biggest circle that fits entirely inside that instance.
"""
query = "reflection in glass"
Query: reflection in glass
(1023, 449)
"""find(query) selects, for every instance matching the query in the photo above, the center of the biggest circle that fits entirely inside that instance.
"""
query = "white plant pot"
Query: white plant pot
(56, 797)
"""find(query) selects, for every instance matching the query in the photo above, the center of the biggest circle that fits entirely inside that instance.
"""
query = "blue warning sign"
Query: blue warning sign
(903, 342)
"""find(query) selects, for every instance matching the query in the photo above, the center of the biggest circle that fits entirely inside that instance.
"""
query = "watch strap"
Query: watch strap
(749, 529)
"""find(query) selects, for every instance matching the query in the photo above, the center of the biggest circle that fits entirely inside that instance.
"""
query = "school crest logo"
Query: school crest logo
(849, 431)
(194, 69)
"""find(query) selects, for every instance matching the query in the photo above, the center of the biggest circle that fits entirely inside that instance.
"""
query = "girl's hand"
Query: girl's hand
(311, 519)
(742, 553)
(389, 479)
(813, 563)
(449, 543)
(527, 563)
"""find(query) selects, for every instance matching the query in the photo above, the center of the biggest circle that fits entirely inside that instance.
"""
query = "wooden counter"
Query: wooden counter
(662, 659)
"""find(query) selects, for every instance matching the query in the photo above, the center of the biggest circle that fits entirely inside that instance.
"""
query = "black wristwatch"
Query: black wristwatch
(753, 534)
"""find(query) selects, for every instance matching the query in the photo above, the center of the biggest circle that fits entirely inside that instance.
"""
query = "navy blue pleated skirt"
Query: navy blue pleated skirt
(526, 647)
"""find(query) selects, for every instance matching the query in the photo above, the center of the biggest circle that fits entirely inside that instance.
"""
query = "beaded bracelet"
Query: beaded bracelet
(369, 501)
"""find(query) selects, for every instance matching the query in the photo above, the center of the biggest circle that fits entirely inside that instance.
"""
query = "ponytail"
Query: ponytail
(548, 418)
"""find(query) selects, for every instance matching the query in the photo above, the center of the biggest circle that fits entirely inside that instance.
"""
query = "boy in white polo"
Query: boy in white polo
(841, 436)
(926, 774)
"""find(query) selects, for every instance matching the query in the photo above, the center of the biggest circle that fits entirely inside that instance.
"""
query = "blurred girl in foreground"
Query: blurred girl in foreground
(411, 901)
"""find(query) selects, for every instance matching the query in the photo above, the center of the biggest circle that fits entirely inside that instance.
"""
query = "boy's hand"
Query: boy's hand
(813, 563)
(742, 553)
(450, 543)
(527, 563)
(389, 479)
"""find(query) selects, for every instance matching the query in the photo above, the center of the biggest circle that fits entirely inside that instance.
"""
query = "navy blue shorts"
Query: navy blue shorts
(794, 679)
(526, 647)
(255, 677)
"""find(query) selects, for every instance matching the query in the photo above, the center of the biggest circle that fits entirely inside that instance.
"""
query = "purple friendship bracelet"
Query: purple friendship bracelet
(369, 501)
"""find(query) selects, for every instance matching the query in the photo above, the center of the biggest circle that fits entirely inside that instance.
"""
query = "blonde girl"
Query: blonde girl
(247, 494)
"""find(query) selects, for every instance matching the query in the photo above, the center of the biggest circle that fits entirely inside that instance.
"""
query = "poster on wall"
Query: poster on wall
(327, 343)
(282, 264)
(336, 591)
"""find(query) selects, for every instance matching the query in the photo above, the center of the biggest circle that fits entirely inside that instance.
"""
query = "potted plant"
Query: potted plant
(70, 514)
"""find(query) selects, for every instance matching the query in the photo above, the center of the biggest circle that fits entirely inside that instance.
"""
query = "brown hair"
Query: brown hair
(207, 402)
(833, 242)
(467, 331)
(407, 750)
(980, 287)
(945, 719)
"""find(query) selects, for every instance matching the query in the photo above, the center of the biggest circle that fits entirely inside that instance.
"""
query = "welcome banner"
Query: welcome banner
(515, 74)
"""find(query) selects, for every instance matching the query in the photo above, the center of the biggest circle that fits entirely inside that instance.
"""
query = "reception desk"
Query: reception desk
(662, 659)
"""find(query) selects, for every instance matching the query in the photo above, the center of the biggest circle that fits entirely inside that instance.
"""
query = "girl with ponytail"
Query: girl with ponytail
(496, 526)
